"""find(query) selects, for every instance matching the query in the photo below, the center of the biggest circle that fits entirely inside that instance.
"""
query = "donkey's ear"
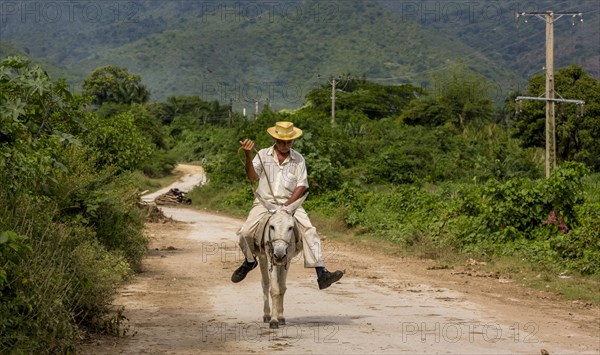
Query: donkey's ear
(294, 205)
(268, 205)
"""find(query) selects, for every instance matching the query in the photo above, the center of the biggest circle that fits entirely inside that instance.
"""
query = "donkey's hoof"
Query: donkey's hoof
(281, 321)
(274, 324)
(266, 319)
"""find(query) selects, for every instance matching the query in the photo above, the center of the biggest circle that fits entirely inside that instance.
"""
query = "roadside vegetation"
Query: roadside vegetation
(70, 228)
(422, 171)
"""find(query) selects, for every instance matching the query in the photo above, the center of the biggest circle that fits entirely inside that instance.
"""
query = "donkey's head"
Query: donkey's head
(280, 236)
(279, 233)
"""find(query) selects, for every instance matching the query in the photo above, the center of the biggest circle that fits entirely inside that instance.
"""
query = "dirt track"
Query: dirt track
(185, 303)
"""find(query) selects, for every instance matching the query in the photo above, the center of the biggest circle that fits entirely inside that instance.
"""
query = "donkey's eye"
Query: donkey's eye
(272, 227)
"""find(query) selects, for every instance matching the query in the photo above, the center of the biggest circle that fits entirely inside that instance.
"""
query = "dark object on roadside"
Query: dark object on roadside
(173, 197)
(153, 213)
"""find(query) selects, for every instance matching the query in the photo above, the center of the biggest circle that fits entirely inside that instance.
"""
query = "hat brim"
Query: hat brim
(297, 134)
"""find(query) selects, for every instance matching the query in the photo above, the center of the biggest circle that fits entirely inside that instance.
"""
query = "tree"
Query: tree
(35, 115)
(425, 112)
(117, 141)
(115, 84)
(458, 96)
(374, 100)
(577, 138)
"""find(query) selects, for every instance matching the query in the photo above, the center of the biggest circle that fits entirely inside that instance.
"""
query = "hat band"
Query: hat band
(284, 133)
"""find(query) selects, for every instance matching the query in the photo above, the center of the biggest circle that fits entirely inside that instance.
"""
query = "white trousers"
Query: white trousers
(311, 243)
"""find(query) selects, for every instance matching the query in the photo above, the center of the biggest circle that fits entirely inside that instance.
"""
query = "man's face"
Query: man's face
(283, 146)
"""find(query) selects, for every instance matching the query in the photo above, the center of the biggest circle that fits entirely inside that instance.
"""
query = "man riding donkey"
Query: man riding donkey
(282, 179)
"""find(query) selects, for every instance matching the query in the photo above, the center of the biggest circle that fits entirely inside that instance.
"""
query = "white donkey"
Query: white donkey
(279, 243)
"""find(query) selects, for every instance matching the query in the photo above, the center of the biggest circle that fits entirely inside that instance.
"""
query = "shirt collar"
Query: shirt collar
(271, 152)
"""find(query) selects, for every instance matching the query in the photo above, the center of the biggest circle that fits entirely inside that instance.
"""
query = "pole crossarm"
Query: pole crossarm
(577, 102)
(555, 15)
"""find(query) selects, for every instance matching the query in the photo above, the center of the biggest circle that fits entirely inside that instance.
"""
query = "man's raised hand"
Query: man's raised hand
(247, 145)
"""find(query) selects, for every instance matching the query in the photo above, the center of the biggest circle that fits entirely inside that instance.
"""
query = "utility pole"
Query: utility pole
(333, 102)
(333, 84)
(230, 110)
(549, 17)
(550, 91)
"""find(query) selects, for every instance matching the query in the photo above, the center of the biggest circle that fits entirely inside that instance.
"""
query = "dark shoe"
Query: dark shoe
(242, 271)
(327, 278)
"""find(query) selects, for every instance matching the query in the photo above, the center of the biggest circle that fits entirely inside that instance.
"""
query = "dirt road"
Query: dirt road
(185, 303)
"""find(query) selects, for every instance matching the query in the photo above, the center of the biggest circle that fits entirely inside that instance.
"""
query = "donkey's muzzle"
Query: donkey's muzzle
(280, 253)
(280, 260)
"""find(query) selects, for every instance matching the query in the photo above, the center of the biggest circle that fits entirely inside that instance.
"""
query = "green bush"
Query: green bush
(117, 141)
(546, 220)
(580, 248)
(59, 278)
(161, 163)
(97, 274)
(64, 283)
(509, 217)
(69, 227)
(104, 202)
(347, 198)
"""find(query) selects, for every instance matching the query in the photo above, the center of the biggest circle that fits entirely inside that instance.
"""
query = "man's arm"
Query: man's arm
(248, 146)
(298, 192)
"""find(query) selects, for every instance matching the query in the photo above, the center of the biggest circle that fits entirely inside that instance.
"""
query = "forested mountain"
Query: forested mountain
(257, 51)
(491, 28)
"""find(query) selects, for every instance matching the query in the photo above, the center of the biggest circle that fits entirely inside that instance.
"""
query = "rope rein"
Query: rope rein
(264, 172)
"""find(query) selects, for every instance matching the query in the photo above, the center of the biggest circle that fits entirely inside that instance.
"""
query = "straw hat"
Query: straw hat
(284, 131)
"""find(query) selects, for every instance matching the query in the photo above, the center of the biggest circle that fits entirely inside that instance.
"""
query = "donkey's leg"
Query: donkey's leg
(282, 288)
(275, 296)
(264, 270)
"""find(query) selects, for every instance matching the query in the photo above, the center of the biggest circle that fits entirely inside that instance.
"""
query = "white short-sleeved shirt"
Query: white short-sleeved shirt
(284, 178)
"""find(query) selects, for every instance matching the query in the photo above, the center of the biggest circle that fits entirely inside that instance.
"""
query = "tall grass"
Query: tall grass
(63, 254)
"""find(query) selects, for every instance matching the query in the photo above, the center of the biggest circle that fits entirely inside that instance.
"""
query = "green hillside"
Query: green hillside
(259, 51)
(72, 75)
(491, 28)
